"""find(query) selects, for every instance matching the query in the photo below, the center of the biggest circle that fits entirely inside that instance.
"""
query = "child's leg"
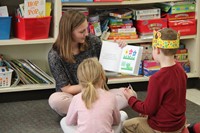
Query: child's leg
(124, 116)
(65, 128)
(60, 101)
(137, 125)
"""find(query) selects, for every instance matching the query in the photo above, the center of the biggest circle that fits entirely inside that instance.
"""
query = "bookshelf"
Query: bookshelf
(34, 50)
(37, 50)
(192, 41)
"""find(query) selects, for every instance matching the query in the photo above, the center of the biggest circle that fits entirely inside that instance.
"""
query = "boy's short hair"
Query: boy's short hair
(168, 34)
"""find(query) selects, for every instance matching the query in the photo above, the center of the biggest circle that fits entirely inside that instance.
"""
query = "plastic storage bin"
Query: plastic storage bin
(5, 78)
(32, 28)
(5, 23)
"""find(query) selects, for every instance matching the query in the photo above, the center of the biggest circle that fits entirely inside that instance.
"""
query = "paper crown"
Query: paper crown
(165, 44)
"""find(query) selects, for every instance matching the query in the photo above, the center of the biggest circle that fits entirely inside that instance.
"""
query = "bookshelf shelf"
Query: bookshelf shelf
(132, 2)
(27, 88)
(111, 80)
(16, 41)
(33, 50)
(129, 79)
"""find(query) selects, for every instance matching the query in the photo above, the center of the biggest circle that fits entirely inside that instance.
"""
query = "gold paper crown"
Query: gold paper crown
(165, 44)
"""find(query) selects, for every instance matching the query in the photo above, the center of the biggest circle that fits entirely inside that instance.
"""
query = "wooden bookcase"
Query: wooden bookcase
(37, 50)
(34, 50)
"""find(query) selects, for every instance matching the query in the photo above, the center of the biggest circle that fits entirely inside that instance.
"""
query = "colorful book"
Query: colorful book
(21, 9)
(34, 8)
(122, 60)
(122, 13)
(40, 71)
(48, 8)
(34, 72)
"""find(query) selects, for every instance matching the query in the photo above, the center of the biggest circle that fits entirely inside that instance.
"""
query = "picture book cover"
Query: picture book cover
(34, 8)
(122, 60)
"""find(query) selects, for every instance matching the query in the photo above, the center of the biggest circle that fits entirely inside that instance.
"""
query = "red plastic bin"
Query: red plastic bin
(32, 28)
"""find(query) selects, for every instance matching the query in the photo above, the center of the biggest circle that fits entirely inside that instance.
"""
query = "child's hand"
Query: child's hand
(121, 43)
(143, 115)
(129, 93)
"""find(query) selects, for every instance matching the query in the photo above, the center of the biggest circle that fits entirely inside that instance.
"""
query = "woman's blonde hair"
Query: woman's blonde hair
(70, 20)
(91, 75)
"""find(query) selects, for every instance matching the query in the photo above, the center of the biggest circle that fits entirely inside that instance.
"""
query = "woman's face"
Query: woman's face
(80, 33)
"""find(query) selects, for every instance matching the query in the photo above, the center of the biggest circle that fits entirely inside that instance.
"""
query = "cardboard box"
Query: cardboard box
(144, 13)
(179, 16)
(185, 27)
(147, 26)
(177, 7)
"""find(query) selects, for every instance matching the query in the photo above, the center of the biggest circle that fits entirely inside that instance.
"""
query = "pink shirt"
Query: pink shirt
(99, 119)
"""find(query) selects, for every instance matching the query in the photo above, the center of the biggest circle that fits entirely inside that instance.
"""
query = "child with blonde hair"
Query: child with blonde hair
(165, 103)
(95, 108)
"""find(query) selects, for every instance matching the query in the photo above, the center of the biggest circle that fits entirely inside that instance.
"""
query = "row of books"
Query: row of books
(26, 72)
(34, 9)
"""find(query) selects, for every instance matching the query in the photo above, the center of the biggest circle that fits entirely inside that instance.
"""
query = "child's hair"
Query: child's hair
(91, 75)
(168, 34)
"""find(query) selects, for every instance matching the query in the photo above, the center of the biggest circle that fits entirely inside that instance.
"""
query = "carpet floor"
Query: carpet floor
(36, 116)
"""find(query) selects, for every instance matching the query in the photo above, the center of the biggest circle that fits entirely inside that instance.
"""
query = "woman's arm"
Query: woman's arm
(57, 69)
(72, 89)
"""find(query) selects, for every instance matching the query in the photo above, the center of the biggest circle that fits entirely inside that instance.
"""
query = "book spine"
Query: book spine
(181, 51)
(181, 56)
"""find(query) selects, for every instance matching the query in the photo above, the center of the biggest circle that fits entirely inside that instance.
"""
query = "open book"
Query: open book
(122, 60)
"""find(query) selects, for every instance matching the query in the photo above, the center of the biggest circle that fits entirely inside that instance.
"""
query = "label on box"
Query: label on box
(179, 16)
(146, 17)
(147, 26)
(146, 11)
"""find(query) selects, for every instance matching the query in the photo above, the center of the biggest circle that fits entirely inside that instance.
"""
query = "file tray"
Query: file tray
(5, 78)
(5, 23)
(32, 28)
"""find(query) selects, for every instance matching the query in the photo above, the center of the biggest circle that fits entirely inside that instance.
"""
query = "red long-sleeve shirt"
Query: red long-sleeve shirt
(165, 103)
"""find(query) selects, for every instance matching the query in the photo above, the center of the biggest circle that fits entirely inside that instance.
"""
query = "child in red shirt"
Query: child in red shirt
(165, 104)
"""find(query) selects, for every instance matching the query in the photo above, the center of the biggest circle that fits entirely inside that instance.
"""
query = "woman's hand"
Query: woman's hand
(121, 43)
